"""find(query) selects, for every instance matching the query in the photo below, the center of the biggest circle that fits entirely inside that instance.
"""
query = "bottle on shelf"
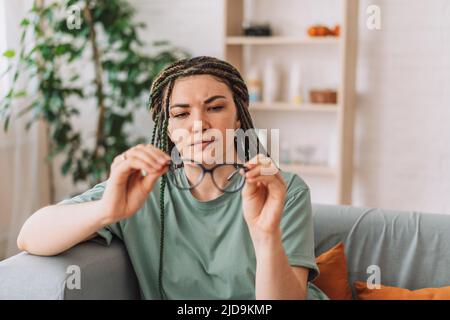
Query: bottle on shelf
(271, 82)
(295, 84)
(254, 85)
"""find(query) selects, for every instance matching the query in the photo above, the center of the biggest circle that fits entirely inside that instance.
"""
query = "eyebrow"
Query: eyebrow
(186, 105)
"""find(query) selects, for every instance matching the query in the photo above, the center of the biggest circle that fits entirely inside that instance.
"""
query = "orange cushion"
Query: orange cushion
(395, 293)
(333, 278)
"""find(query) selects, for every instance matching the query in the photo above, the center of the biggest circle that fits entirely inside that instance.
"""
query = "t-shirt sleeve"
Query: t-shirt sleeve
(95, 193)
(298, 229)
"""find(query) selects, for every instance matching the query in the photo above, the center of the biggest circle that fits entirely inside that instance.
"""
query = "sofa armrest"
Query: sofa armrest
(105, 273)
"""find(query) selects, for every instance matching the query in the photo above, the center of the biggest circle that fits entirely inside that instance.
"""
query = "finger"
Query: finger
(254, 161)
(259, 169)
(278, 177)
(250, 188)
(156, 153)
(145, 156)
(143, 149)
(266, 165)
(117, 160)
(148, 181)
(133, 163)
(253, 172)
(152, 152)
(275, 187)
(263, 179)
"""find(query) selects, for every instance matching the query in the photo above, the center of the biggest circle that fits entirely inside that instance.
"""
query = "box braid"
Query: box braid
(161, 91)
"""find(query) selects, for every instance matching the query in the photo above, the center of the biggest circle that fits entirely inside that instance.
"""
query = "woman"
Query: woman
(195, 226)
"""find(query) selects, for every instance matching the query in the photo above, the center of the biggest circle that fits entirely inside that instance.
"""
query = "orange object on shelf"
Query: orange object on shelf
(336, 30)
(323, 96)
(319, 30)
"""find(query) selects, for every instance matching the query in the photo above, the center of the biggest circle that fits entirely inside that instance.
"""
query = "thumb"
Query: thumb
(148, 180)
(250, 188)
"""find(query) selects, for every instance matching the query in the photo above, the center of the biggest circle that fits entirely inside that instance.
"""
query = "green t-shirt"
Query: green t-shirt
(208, 252)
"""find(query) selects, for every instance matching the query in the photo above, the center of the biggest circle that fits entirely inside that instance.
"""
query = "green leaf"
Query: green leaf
(20, 94)
(63, 48)
(26, 109)
(74, 77)
(66, 166)
(9, 54)
(128, 75)
(29, 124)
(6, 71)
(6, 124)
(25, 22)
(22, 36)
(160, 43)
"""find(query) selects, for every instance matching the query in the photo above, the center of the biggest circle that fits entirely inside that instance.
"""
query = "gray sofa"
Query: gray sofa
(412, 250)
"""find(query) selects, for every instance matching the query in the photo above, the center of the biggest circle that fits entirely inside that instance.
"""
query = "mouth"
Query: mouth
(203, 143)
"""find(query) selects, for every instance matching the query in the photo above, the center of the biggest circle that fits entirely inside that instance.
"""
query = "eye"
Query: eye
(180, 115)
(216, 108)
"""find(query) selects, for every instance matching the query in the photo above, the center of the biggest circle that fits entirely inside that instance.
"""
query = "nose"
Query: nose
(200, 122)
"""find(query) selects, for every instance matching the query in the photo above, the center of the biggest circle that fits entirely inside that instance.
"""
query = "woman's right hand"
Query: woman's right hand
(126, 188)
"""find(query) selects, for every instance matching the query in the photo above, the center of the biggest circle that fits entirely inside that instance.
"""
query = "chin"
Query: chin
(203, 155)
(207, 158)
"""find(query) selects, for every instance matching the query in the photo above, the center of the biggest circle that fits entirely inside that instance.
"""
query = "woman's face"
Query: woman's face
(201, 109)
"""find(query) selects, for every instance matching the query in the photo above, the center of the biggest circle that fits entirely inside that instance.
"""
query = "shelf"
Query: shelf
(285, 106)
(243, 51)
(279, 40)
(308, 169)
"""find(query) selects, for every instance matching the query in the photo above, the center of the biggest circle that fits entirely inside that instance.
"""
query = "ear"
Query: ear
(238, 123)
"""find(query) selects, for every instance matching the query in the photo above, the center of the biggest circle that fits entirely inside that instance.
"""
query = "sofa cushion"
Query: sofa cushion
(395, 293)
(333, 278)
(410, 249)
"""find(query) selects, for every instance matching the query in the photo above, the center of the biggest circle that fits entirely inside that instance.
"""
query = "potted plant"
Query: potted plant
(97, 34)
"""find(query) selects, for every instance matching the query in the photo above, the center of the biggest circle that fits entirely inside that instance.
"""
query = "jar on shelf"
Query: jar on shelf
(304, 154)
(254, 85)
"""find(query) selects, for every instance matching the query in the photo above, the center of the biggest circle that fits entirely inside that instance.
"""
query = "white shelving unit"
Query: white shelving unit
(309, 169)
(279, 40)
(304, 107)
(235, 52)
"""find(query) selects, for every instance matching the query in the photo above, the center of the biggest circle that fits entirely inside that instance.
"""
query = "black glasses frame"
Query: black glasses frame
(238, 166)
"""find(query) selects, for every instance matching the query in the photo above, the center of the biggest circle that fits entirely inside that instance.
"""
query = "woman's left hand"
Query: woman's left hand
(263, 199)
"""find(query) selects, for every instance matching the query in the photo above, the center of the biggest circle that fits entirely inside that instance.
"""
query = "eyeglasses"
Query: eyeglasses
(225, 176)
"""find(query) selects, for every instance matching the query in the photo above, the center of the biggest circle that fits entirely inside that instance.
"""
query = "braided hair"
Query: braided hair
(161, 91)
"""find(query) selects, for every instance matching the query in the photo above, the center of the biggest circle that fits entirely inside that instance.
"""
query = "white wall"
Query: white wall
(403, 138)
(196, 25)
(403, 134)
(23, 183)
